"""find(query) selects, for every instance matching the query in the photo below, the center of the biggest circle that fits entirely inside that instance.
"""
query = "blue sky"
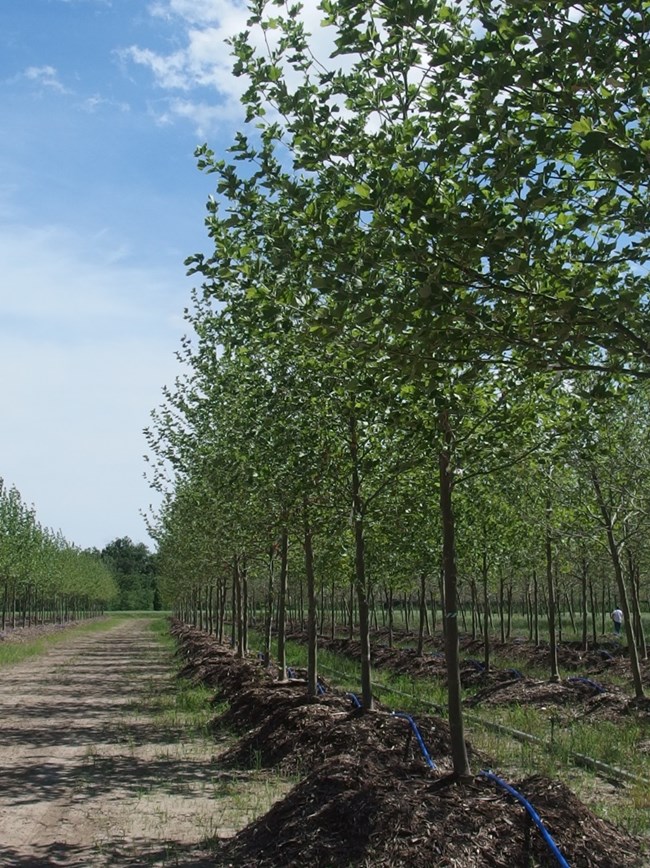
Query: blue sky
(102, 105)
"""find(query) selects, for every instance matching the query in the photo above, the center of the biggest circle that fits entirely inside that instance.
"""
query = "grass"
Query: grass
(185, 708)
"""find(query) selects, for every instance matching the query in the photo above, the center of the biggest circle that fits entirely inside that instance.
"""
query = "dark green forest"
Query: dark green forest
(134, 569)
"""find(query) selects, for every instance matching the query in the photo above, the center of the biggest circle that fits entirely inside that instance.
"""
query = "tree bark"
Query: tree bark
(423, 613)
(312, 638)
(456, 725)
(360, 580)
(282, 605)
(620, 583)
(550, 584)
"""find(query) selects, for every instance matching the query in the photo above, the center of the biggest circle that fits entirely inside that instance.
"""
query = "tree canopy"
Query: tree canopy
(429, 266)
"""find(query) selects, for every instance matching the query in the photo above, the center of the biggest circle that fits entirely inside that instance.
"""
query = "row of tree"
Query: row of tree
(43, 578)
(419, 347)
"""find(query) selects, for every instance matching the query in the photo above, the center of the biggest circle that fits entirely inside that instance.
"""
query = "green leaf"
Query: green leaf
(582, 127)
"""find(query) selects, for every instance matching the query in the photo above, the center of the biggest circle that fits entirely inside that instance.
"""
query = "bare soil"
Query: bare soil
(92, 774)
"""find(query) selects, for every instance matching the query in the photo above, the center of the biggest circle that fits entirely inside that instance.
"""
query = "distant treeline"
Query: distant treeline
(134, 569)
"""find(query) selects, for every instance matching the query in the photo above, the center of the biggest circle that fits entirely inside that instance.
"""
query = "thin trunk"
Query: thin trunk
(584, 639)
(550, 586)
(535, 609)
(312, 638)
(474, 601)
(633, 573)
(233, 605)
(592, 603)
(620, 583)
(244, 606)
(434, 614)
(636, 590)
(423, 613)
(486, 631)
(239, 602)
(360, 571)
(502, 606)
(282, 605)
(456, 725)
(268, 624)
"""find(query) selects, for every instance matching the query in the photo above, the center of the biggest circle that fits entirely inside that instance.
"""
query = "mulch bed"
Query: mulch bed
(348, 812)
(369, 798)
(29, 634)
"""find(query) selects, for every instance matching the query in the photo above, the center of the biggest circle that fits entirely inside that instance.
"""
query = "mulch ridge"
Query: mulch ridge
(368, 798)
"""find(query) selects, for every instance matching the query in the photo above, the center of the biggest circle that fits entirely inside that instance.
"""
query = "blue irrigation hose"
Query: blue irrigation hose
(475, 664)
(291, 672)
(320, 690)
(515, 673)
(354, 698)
(532, 813)
(580, 680)
(423, 747)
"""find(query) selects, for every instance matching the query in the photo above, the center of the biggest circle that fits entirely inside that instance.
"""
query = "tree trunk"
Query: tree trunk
(239, 608)
(535, 609)
(633, 572)
(550, 583)
(360, 571)
(592, 603)
(620, 583)
(584, 639)
(282, 605)
(486, 630)
(423, 613)
(312, 638)
(243, 573)
(456, 725)
(640, 633)
(270, 590)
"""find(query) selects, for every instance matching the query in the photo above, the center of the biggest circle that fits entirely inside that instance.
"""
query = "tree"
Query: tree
(134, 569)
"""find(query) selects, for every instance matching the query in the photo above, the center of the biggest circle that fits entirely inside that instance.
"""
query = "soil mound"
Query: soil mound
(349, 812)
(370, 799)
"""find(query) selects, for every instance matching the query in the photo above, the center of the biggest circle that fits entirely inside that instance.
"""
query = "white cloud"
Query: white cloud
(46, 76)
(204, 117)
(87, 342)
(203, 12)
(95, 102)
(204, 61)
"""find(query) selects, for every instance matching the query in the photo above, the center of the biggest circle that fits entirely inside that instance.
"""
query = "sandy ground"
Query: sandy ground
(91, 772)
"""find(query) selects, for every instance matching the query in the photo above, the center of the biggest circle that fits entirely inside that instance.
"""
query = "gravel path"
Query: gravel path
(92, 775)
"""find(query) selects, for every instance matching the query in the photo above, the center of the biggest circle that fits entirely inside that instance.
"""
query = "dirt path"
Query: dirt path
(91, 773)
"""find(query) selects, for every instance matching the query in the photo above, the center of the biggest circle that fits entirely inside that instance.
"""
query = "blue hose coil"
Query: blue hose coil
(537, 820)
(580, 680)
(355, 699)
(475, 664)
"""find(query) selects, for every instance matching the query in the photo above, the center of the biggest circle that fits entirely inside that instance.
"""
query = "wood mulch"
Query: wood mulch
(368, 798)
